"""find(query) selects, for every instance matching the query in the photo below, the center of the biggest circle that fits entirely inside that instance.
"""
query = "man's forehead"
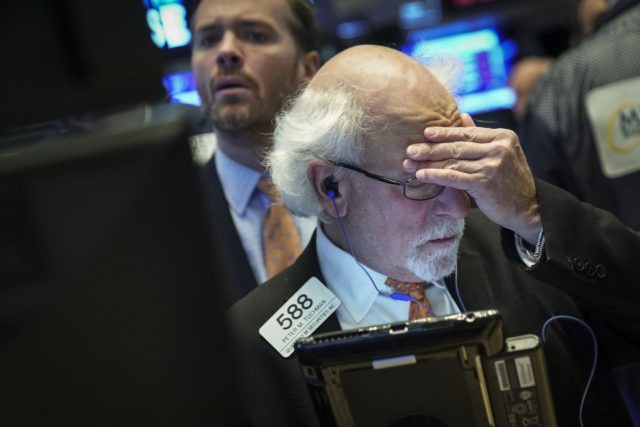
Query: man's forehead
(407, 128)
(403, 124)
(216, 12)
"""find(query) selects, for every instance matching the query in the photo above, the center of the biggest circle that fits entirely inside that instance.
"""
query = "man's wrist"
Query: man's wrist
(530, 255)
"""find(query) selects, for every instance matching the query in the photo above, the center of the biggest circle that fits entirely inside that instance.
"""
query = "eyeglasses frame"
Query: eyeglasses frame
(387, 180)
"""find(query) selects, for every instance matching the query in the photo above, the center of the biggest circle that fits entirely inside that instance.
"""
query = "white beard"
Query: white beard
(431, 264)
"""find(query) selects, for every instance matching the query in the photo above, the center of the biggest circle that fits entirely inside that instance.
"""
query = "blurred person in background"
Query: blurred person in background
(581, 128)
(528, 70)
(523, 77)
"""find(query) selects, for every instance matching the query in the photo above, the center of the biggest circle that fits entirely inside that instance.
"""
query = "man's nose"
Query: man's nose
(451, 202)
(229, 52)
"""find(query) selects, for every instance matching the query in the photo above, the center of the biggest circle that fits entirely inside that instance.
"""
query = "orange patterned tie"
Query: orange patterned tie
(280, 237)
(420, 306)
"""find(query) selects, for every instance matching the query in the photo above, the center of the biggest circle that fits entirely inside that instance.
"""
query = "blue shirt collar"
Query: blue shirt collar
(238, 181)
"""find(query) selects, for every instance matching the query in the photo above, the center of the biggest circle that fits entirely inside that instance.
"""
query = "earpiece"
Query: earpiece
(331, 187)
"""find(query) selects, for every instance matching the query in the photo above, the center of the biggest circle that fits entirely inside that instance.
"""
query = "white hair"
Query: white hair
(318, 124)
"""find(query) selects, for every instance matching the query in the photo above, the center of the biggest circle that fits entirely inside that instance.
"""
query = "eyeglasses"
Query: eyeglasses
(412, 188)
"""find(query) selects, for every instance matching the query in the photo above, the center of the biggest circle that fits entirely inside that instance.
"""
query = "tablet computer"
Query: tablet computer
(428, 372)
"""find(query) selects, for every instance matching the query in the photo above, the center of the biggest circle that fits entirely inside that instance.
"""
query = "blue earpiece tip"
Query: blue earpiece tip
(400, 297)
(331, 194)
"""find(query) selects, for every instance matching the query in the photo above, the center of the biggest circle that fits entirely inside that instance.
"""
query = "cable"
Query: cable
(543, 335)
(395, 295)
(455, 285)
(595, 354)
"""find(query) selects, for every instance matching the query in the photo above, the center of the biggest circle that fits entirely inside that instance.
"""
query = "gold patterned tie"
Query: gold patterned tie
(280, 237)
(420, 306)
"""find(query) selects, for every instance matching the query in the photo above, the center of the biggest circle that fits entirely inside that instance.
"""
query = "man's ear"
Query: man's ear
(328, 189)
(309, 65)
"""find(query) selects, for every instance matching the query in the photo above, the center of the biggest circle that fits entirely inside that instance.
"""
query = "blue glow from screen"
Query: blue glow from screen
(486, 64)
(416, 14)
(167, 21)
(181, 88)
(351, 30)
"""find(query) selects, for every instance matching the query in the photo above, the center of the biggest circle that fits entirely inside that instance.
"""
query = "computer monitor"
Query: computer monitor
(111, 302)
(486, 58)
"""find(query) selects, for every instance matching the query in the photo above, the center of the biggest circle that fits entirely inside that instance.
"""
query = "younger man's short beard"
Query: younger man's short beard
(228, 121)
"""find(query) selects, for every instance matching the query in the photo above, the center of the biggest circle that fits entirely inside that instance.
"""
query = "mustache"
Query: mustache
(238, 74)
(441, 228)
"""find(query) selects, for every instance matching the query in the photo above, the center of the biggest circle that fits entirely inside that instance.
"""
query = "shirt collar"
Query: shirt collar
(346, 279)
(238, 181)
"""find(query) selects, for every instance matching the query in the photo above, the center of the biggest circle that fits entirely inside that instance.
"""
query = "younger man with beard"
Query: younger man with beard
(348, 151)
(247, 57)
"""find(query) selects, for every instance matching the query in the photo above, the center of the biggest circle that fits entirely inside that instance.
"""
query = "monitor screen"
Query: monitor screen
(181, 87)
(486, 61)
(111, 302)
(168, 23)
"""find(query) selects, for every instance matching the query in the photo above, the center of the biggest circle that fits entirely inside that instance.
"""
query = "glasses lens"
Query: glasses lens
(418, 190)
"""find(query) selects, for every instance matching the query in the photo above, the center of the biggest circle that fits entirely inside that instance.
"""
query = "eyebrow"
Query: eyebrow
(238, 23)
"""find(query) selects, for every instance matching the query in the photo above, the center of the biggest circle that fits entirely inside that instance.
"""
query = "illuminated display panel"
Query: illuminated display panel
(486, 65)
(168, 24)
(181, 87)
(167, 21)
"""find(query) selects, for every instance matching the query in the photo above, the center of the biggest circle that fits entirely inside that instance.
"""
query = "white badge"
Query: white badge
(300, 316)
(614, 111)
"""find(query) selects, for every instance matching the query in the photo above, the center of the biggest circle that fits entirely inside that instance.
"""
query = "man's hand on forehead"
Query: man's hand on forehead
(488, 164)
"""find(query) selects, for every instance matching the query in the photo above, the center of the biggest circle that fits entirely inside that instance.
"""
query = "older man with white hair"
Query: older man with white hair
(376, 147)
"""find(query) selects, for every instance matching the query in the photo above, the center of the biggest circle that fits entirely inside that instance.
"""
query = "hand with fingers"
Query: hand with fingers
(488, 164)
